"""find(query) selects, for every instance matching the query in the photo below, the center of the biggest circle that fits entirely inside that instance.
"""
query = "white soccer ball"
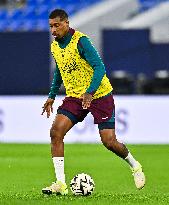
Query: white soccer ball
(82, 184)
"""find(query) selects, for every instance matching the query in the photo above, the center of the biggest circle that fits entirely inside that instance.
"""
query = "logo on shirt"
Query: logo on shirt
(69, 67)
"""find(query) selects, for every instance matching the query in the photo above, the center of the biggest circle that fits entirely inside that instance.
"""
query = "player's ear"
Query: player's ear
(67, 21)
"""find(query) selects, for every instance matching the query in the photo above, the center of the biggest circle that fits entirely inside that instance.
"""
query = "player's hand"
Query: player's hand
(87, 99)
(48, 107)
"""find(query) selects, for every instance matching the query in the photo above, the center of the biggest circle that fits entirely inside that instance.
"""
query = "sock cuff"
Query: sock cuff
(58, 159)
(128, 156)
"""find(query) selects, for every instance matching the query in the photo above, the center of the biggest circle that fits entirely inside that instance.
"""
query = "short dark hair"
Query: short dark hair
(58, 13)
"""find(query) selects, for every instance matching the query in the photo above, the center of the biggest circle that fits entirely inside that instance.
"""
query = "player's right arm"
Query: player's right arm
(56, 83)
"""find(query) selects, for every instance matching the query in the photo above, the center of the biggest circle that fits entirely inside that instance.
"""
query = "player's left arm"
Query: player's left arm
(90, 54)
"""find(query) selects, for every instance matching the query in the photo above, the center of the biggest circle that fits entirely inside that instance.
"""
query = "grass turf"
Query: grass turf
(26, 168)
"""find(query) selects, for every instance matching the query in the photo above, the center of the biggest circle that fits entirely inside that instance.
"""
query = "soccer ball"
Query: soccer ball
(82, 184)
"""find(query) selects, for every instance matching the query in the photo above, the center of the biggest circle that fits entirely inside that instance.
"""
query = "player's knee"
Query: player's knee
(109, 142)
(56, 135)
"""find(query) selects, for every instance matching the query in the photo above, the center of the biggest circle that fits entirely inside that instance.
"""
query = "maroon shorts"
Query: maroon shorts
(102, 109)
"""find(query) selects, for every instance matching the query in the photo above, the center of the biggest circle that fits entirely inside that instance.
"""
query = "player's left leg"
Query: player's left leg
(109, 140)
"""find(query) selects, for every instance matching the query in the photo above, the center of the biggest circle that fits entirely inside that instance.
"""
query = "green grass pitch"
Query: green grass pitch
(26, 168)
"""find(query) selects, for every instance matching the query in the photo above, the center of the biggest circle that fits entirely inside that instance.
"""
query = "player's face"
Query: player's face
(58, 27)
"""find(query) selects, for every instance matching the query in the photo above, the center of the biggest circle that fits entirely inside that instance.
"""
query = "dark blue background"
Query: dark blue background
(131, 50)
(24, 63)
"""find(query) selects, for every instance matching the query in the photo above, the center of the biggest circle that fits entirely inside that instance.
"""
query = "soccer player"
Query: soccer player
(80, 68)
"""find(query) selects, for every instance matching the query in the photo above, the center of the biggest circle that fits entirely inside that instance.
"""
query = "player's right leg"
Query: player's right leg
(61, 125)
(68, 114)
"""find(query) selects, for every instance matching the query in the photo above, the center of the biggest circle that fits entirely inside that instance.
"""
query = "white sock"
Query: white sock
(59, 168)
(131, 161)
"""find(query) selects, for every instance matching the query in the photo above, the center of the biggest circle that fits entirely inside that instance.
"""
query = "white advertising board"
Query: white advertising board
(139, 119)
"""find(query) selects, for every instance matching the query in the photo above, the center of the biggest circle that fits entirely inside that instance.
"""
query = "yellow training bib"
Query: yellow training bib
(75, 71)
